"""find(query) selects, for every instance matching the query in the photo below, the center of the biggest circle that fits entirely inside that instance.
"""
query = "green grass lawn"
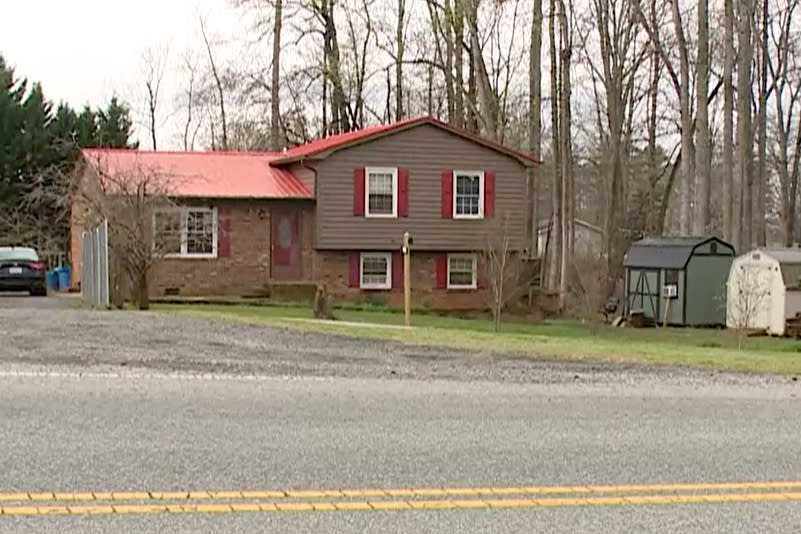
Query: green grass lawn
(565, 340)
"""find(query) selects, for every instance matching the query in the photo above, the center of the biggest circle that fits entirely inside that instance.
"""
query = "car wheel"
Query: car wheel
(38, 292)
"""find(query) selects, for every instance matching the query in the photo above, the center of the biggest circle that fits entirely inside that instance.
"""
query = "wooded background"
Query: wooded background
(650, 116)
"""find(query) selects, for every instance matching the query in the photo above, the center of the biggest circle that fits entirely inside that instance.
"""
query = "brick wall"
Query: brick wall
(247, 269)
(332, 269)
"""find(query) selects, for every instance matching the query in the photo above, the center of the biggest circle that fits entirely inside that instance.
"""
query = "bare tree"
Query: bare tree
(762, 125)
(729, 213)
(748, 297)
(620, 61)
(41, 214)
(681, 85)
(744, 133)
(555, 243)
(535, 119)
(785, 86)
(566, 151)
(399, 46)
(275, 93)
(191, 124)
(218, 84)
(502, 266)
(130, 201)
(703, 160)
(154, 65)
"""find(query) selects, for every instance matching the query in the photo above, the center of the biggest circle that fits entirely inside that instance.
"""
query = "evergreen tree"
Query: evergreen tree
(38, 148)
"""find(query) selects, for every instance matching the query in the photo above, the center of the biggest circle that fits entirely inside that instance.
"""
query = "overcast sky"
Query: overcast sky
(86, 51)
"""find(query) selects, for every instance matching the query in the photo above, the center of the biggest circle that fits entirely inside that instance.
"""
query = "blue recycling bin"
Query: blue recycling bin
(64, 278)
(52, 279)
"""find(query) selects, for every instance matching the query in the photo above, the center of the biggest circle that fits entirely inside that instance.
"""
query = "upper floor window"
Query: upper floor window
(381, 192)
(468, 197)
(186, 232)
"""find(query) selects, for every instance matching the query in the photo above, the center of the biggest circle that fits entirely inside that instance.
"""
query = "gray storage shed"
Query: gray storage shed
(683, 276)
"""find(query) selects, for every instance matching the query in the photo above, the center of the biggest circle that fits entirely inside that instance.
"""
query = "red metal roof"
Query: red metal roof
(335, 142)
(206, 174)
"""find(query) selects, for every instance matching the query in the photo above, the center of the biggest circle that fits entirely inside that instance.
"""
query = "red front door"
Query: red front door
(285, 236)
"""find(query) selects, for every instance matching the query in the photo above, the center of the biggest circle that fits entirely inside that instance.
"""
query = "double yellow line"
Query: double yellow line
(148, 502)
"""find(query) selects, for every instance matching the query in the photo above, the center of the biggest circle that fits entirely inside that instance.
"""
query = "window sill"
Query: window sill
(190, 256)
(468, 217)
(380, 216)
(457, 289)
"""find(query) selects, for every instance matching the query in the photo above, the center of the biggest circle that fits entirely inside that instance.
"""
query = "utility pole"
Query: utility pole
(407, 278)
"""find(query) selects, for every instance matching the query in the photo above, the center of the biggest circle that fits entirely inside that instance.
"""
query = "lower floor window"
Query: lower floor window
(376, 270)
(462, 271)
(186, 232)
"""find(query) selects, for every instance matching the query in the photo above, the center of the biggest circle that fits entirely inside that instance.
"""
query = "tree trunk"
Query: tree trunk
(653, 118)
(565, 153)
(457, 21)
(745, 148)
(687, 148)
(556, 189)
(449, 52)
(474, 55)
(275, 93)
(702, 161)
(219, 86)
(142, 291)
(759, 220)
(535, 119)
(399, 61)
(729, 214)
(430, 92)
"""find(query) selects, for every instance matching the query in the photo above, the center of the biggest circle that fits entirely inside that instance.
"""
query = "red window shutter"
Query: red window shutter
(403, 192)
(447, 194)
(489, 194)
(442, 271)
(354, 270)
(223, 232)
(397, 270)
(358, 192)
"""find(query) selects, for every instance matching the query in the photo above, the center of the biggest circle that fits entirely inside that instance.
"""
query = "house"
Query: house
(334, 211)
(764, 289)
(589, 238)
(678, 280)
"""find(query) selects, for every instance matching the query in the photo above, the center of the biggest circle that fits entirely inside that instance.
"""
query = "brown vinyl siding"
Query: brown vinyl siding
(425, 151)
(305, 173)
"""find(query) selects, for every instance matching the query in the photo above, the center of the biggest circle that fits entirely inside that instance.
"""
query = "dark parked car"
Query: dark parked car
(21, 270)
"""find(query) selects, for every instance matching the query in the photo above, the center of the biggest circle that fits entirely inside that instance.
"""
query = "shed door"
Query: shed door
(285, 237)
(644, 292)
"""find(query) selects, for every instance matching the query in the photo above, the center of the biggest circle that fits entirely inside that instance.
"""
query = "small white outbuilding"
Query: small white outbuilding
(764, 289)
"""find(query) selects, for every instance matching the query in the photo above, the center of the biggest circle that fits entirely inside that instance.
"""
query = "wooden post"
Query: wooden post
(407, 279)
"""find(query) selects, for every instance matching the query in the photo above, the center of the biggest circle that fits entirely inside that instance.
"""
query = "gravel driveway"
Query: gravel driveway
(53, 333)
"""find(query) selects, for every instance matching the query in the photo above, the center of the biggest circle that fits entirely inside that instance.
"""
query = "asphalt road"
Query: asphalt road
(86, 423)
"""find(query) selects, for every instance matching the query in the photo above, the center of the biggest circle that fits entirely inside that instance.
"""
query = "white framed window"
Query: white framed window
(468, 194)
(381, 192)
(186, 232)
(375, 270)
(462, 270)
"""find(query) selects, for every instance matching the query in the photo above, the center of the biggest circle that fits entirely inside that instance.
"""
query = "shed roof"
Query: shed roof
(665, 252)
(782, 255)
(790, 262)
